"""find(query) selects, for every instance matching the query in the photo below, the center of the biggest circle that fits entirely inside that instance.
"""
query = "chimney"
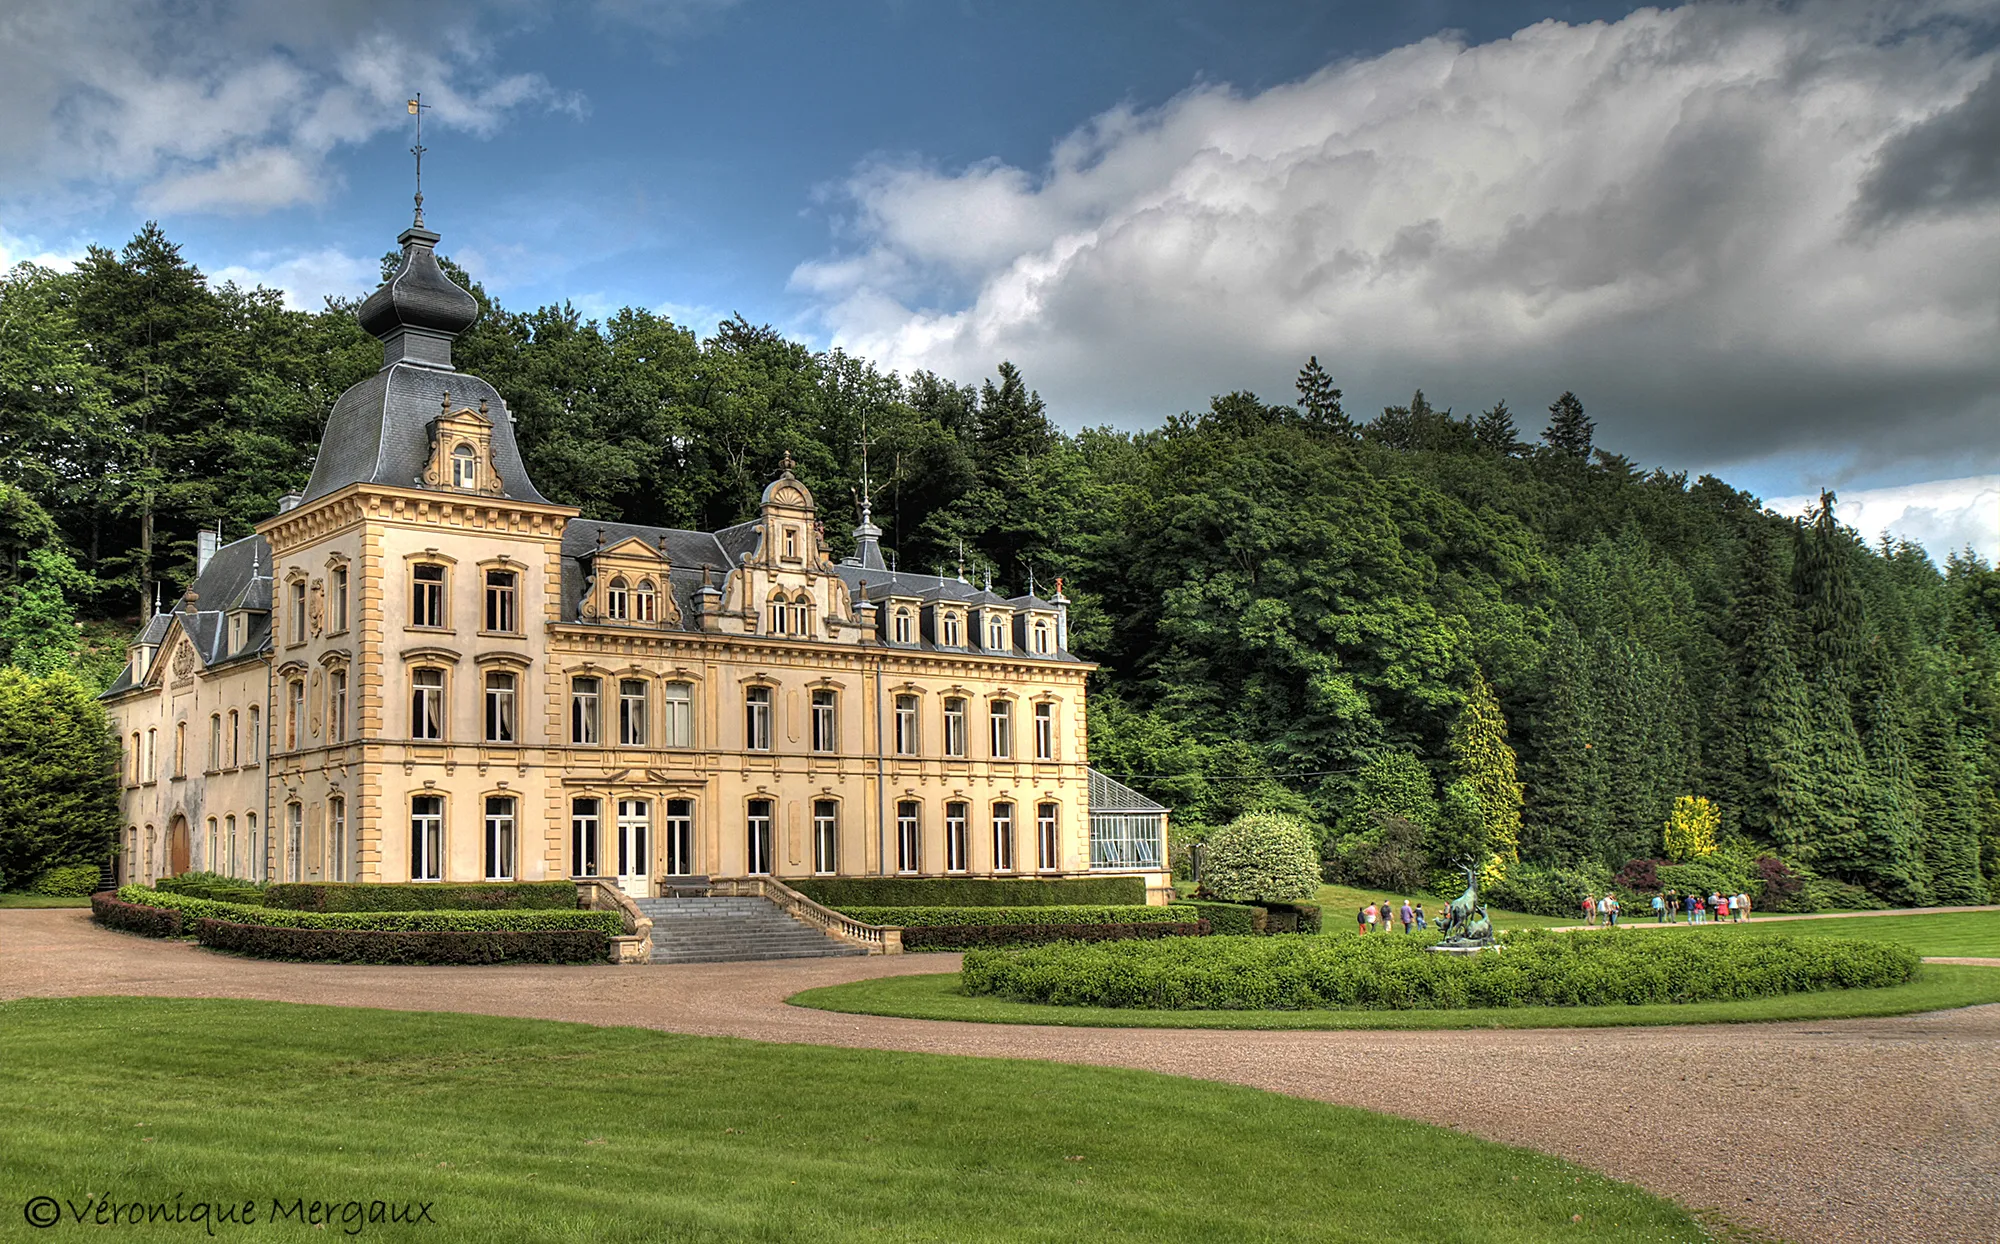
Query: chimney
(290, 501)
(205, 544)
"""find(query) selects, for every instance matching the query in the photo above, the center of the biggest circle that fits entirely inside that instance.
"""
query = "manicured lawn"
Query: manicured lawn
(523, 1129)
(1937, 987)
(40, 900)
(1967, 934)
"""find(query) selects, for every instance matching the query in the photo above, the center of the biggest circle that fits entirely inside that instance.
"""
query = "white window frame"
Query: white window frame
(336, 834)
(1003, 836)
(502, 699)
(825, 720)
(957, 836)
(429, 602)
(1000, 729)
(503, 602)
(586, 710)
(337, 602)
(757, 719)
(1045, 730)
(909, 836)
(826, 837)
(1048, 837)
(427, 703)
(679, 827)
(586, 823)
(633, 710)
(426, 838)
(759, 836)
(336, 705)
(677, 724)
(909, 725)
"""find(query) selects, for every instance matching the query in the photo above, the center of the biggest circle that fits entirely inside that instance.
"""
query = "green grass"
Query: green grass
(1340, 902)
(40, 900)
(1937, 987)
(524, 1129)
(1968, 934)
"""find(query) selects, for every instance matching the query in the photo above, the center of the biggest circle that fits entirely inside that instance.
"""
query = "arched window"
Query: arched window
(464, 467)
(902, 626)
(617, 604)
(801, 610)
(949, 630)
(1041, 637)
(996, 634)
(235, 857)
(645, 603)
(778, 614)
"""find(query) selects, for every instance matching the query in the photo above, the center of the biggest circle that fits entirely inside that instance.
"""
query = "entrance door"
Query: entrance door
(635, 854)
(177, 847)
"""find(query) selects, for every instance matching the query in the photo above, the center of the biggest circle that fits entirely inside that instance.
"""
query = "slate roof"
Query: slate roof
(237, 577)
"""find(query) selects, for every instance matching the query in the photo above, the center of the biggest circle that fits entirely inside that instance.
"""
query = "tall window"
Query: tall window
(632, 712)
(957, 848)
(950, 630)
(296, 624)
(677, 719)
(499, 837)
(1045, 731)
(139, 773)
(954, 727)
(801, 623)
(757, 836)
(235, 860)
(295, 713)
(235, 737)
(214, 741)
(1048, 846)
(254, 866)
(337, 599)
(214, 844)
(1003, 837)
(645, 602)
(336, 834)
(584, 815)
(680, 837)
(635, 823)
(1041, 634)
(618, 599)
(777, 609)
(906, 725)
(1002, 720)
(427, 703)
(464, 467)
(825, 738)
(791, 544)
(902, 626)
(996, 634)
(295, 841)
(757, 719)
(499, 706)
(909, 840)
(256, 735)
(153, 752)
(180, 749)
(426, 837)
(584, 694)
(427, 595)
(336, 705)
(826, 836)
(501, 600)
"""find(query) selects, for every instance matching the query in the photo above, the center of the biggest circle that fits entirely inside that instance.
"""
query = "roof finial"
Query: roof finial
(1031, 578)
(785, 463)
(961, 561)
(417, 109)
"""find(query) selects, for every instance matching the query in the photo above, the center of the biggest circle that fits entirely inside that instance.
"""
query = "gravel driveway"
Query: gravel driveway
(1844, 1130)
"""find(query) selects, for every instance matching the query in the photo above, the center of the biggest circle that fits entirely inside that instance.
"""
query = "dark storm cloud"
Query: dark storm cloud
(1948, 163)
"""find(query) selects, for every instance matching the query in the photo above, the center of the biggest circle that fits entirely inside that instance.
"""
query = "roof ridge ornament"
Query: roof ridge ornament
(417, 109)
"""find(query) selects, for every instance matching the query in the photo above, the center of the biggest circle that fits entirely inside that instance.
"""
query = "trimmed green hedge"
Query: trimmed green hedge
(1227, 919)
(215, 886)
(388, 946)
(114, 913)
(962, 936)
(610, 923)
(841, 893)
(1534, 968)
(941, 917)
(423, 896)
(67, 881)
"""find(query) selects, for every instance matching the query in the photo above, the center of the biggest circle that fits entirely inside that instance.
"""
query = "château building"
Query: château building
(421, 669)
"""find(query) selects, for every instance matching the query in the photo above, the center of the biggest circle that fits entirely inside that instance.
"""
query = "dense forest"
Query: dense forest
(1434, 635)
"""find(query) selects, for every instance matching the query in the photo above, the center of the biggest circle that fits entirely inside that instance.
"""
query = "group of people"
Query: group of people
(1712, 908)
(1386, 914)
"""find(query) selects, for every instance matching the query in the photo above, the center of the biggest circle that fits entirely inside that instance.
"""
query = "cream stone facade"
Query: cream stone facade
(421, 669)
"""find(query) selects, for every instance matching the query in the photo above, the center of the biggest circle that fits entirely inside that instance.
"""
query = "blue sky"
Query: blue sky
(1756, 239)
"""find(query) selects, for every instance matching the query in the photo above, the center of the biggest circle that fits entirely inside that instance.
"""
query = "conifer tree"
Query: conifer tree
(1484, 762)
(1570, 430)
(59, 785)
(1890, 861)
(1495, 430)
(1778, 796)
(1565, 776)
(1319, 401)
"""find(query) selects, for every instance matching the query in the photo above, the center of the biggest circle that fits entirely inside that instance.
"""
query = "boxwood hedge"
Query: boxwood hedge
(964, 936)
(938, 917)
(423, 896)
(395, 946)
(1534, 968)
(213, 885)
(610, 923)
(844, 892)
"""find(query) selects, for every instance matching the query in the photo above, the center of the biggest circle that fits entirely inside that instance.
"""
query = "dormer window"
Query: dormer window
(950, 630)
(801, 607)
(645, 602)
(791, 544)
(996, 634)
(778, 611)
(464, 467)
(902, 626)
(617, 600)
(1041, 637)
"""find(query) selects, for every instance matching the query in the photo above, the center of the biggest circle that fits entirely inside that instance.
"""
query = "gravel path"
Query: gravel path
(1847, 1130)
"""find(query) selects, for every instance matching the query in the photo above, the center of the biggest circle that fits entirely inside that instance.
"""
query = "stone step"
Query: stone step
(725, 929)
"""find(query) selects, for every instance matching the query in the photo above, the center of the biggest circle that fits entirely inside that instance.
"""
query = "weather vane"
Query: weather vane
(417, 109)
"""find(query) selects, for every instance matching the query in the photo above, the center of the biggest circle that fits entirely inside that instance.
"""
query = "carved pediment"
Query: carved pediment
(462, 452)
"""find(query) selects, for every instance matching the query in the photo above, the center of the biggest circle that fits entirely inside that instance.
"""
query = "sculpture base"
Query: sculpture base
(1462, 948)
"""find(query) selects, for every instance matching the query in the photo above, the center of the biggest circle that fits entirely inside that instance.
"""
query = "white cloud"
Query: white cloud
(233, 106)
(307, 279)
(1944, 516)
(19, 250)
(1671, 214)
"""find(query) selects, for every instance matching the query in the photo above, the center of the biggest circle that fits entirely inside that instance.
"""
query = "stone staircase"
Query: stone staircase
(708, 929)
